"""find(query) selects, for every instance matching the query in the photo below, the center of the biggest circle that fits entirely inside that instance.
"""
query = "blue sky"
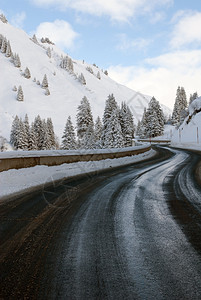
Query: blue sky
(150, 46)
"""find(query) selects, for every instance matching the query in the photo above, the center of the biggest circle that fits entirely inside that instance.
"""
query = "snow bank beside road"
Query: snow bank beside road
(188, 136)
(14, 181)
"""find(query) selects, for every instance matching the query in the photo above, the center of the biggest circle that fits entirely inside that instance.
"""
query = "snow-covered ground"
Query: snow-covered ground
(14, 181)
(66, 91)
(39, 153)
(188, 136)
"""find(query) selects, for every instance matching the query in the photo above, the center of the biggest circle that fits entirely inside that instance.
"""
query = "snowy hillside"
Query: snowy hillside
(66, 91)
(189, 133)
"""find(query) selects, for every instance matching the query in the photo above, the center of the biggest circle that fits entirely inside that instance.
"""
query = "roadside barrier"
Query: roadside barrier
(26, 162)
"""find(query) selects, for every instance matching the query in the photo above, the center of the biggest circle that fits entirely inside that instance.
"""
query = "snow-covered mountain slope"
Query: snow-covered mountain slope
(189, 133)
(66, 91)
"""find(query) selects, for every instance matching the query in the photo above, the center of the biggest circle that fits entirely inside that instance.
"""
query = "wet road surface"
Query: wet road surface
(129, 233)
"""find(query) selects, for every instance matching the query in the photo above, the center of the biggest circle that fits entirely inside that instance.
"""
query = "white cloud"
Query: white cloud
(60, 32)
(125, 43)
(187, 31)
(120, 10)
(160, 76)
(18, 19)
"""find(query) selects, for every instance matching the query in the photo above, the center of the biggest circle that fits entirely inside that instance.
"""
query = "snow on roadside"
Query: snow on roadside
(188, 136)
(14, 181)
(40, 153)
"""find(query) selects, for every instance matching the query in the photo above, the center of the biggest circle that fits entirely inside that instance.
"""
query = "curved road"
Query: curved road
(129, 233)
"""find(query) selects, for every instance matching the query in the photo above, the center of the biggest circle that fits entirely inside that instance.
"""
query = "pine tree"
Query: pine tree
(68, 138)
(8, 50)
(179, 106)
(98, 75)
(27, 130)
(15, 88)
(138, 131)
(27, 73)
(20, 95)
(154, 119)
(3, 18)
(51, 134)
(127, 125)
(98, 132)
(38, 129)
(48, 52)
(23, 139)
(34, 39)
(113, 136)
(4, 45)
(82, 79)
(15, 129)
(47, 92)
(90, 70)
(84, 122)
(110, 106)
(70, 65)
(1, 39)
(17, 61)
(193, 97)
(32, 139)
(45, 82)
(45, 138)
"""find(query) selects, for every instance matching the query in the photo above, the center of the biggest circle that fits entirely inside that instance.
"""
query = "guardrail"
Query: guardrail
(26, 162)
(153, 141)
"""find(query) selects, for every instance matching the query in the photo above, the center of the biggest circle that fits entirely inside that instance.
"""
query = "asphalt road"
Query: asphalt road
(129, 233)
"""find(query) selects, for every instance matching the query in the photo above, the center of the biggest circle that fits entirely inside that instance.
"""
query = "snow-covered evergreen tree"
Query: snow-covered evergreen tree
(8, 50)
(47, 92)
(45, 138)
(44, 82)
(17, 61)
(180, 106)
(15, 129)
(34, 39)
(84, 122)
(193, 97)
(138, 130)
(3, 18)
(154, 119)
(32, 138)
(98, 133)
(39, 132)
(51, 134)
(127, 125)
(48, 52)
(27, 73)
(20, 95)
(113, 135)
(23, 137)
(27, 129)
(82, 79)
(98, 75)
(110, 107)
(4, 45)
(89, 69)
(67, 63)
(68, 138)
(15, 88)
(1, 39)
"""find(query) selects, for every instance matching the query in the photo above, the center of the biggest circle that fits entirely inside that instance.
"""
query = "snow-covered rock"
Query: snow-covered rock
(66, 91)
